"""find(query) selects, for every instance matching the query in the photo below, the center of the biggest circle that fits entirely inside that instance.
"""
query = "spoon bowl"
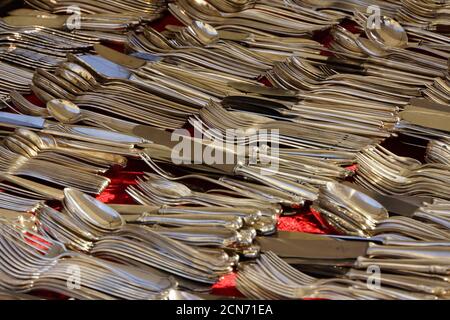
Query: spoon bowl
(204, 32)
(389, 34)
(64, 111)
(359, 201)
(171, 188)
(370, 48)
(92, 211)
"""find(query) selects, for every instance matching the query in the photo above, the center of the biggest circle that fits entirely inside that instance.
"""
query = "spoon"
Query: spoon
(375, 49)
(19, 147)
(64, 111)
(67, 112)
(171, 192)
(209, 34)
(205, 7)
(27, 149)
(389, 34)
(26, 107)
(92, 211)
(80, 71)
(348, 210)
(203, 32)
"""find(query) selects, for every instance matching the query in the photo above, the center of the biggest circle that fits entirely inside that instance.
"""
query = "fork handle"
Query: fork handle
(97, 156)
(48, 192)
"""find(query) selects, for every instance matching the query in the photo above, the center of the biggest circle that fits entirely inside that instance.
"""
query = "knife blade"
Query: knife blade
(22, 120)
(296, 245)
(156, 136)
(103, 67)
(262, 90)
(308, 246)
(223, 34)
(119, 58)
(257, 102)
(34, 122)
(421, 104)
(430, 119)
(29, 12)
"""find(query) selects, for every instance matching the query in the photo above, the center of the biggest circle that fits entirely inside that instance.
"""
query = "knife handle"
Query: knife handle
(441, 28)
(346, 63)
(221, 240)
(277, 182)
(392, 264)
(411, 252)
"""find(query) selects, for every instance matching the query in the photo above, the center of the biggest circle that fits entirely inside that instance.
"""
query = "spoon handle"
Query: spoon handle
(277, 182)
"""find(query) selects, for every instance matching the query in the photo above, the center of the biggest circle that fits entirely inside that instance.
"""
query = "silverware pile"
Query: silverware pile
(49, 264)
(272, 278)
(257, 16)
(349, 211)
(330, 106)
(142, 7)
(39, 47)
(385, 172)
(428, 15)
(438, 151)
(14, 78)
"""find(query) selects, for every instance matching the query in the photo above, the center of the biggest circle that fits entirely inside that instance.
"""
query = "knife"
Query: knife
(119, 58)
(263, 90)
(68, 130)
(261, 105)
(296, 245)
(102, 68)
(258, 102)
(428, 119)
(421, 104)
(30, 12)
